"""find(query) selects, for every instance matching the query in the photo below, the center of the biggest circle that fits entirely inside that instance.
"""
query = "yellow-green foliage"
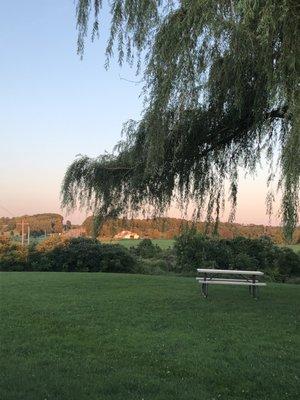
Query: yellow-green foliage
(51, 243)
(11, 254)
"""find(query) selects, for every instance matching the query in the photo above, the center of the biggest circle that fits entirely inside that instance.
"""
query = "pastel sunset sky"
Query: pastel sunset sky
(54, 106)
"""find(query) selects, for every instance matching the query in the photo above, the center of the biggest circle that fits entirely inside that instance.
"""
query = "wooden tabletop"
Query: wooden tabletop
(228, 271)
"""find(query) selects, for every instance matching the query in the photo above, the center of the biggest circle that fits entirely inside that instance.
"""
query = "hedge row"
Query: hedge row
(72, 255)
(191, 251)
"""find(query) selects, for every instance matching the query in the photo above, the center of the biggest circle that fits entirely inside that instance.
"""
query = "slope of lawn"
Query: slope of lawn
(102, 336)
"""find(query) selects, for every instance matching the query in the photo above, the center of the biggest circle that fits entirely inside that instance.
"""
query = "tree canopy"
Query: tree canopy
(221, 86)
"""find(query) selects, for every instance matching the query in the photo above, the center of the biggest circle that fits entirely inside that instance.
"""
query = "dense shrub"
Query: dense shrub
(13, 256)
(191, 251)
(168, 256)
(76, 254)
(151, 266)
(116, 258)
(151, 259)
(50, 243)
(69, 255)
(288, 263)
(146, 249)
(194, 250)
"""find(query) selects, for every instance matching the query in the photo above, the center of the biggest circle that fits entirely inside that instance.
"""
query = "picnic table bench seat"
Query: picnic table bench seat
(231, 282)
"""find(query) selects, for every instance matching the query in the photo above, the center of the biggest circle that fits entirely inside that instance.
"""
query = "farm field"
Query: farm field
(295, 247)
(107, 336)
(165, 243)
(162, 243)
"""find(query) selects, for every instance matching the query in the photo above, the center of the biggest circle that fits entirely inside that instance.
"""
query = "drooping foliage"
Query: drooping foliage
(221, 90)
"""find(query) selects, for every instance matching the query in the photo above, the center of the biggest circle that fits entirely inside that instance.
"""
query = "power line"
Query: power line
(22, 223)
(5, 209)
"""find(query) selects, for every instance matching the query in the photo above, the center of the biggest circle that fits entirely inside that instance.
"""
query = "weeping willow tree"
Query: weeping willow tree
(221, 87)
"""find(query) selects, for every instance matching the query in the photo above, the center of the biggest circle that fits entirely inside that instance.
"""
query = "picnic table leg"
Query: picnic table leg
(254, 288)
(205, 287)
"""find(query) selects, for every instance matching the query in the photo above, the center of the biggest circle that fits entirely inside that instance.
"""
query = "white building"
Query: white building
(126, 235)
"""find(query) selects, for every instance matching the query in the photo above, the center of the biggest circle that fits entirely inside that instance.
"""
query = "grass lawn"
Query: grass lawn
(80, 336)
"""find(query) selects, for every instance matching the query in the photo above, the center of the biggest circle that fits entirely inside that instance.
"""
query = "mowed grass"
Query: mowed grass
(70, 336)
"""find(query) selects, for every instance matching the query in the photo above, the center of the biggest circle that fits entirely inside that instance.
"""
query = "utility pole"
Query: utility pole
(23, 223)
(28, 235)
(22, 232)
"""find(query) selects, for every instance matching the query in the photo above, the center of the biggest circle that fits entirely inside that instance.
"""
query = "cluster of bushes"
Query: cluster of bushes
(191, 251)
(68, 255)
(194, 250)
(152, 260)
(13, 256)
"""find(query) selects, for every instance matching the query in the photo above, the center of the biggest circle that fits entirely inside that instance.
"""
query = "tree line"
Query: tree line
(190, 251)
(39, 224)
(153, 228)
(169, 228)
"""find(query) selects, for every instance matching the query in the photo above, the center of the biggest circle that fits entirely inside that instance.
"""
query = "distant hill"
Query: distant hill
(39, 223)
(168, 228)
(155, 228)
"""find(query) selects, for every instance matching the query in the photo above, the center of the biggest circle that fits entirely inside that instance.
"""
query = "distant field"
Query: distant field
(295, 247)
(163, 243)
(87, 336)
(33, 240)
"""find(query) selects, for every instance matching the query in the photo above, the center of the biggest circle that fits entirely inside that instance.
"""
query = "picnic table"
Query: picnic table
(241, 278)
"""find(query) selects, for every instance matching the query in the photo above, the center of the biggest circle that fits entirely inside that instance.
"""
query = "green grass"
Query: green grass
(162, 243)
(295, 247)
(165, 243)
(70, 336)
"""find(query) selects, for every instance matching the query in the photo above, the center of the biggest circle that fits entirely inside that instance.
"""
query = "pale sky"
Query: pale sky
(54, 106)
